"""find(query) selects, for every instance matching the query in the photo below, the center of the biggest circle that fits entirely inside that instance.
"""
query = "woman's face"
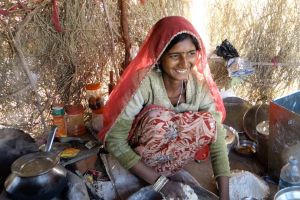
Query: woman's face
(178, 61)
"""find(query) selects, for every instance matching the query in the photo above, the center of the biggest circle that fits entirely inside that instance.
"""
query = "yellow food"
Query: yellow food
(69, 153)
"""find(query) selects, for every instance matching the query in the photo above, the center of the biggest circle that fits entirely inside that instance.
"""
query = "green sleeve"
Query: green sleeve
(117, 144)
(218, 149)
(219, 155)
(116, 140)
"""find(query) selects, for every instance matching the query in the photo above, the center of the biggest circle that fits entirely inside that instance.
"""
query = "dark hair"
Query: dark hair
(181, 37)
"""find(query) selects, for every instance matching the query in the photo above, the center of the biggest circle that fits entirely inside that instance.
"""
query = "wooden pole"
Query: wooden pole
(125, 31)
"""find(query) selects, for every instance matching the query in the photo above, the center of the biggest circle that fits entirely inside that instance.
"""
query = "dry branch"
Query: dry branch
(17, 45)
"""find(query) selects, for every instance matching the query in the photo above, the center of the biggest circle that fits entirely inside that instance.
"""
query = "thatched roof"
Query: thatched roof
(40, 66)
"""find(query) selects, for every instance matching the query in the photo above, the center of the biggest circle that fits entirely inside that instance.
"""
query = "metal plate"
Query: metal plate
(235, 109)
(253, 117)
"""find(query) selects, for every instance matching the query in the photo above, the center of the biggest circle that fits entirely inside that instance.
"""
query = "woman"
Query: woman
(165, 108)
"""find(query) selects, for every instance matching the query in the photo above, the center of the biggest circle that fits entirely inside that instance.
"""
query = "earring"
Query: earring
(157, 67)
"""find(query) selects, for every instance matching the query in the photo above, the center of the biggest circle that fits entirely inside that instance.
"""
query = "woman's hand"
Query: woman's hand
(173, 190)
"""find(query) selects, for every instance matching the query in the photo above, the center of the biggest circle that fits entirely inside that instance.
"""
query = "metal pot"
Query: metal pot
(255, 115)
(235, 109)
(289, 193)
(263, 142)
(37, 175)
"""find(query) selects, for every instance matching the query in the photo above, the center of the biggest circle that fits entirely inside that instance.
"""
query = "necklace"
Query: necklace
(181, 89)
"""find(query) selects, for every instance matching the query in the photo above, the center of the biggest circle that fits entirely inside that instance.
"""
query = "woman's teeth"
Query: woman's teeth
(181, 71)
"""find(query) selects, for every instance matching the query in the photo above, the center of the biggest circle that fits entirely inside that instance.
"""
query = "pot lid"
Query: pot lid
(34, 164)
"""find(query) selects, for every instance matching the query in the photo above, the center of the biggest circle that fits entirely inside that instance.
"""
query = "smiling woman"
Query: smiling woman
(165, 109)
(176, 63)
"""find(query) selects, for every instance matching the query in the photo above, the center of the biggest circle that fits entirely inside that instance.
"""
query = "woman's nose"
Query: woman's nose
(184, 61)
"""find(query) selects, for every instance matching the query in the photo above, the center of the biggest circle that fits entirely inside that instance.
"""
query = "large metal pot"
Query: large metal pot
(235, 109)
(289, 193)
(36, 176)
(255, 115)
(263, 141)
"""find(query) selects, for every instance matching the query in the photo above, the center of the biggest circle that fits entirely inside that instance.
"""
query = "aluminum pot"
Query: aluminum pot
(289, 193)
(253, 116)
(37, 175)
(263, 142)
(235, 109)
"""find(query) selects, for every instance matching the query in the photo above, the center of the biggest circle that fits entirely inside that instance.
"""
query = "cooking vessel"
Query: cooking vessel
(37, 175)
(289, 193)
(255, 115)
(246, 147)
(231, 137)
(147, 193)
(263, 142)
(235, 109)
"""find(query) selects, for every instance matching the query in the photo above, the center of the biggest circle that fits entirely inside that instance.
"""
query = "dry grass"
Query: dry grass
(260, 34)
(63, 63)
(91, 46)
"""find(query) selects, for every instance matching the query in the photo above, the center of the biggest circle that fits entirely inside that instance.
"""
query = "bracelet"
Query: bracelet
(160, 183)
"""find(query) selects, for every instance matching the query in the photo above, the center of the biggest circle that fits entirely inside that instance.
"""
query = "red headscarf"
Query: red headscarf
(153, 47)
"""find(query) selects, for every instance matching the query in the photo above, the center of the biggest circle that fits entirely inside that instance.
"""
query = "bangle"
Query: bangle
(160, 183)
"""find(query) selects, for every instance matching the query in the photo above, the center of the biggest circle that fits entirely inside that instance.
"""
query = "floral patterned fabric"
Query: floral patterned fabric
(161, 136)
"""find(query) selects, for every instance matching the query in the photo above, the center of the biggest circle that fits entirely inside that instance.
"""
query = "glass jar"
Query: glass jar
(94, 96)
(75, 120)
(59, 120)
(97, 119)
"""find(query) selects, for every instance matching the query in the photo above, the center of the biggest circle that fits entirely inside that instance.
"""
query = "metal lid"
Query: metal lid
(34, 164)
(57, 110)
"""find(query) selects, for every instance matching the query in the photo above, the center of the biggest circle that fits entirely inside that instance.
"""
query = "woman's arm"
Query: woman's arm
(223, 186)
(218, 149)
(144, 172)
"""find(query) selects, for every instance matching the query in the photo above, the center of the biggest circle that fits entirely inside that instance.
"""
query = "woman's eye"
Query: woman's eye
(191, 53)
(174, 56)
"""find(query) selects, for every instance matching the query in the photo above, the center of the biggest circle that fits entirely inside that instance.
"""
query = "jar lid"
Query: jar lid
(74, 109)
(93, 86)
(57, 110)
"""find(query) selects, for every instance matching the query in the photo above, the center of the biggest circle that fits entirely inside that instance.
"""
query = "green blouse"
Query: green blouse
(152, 91)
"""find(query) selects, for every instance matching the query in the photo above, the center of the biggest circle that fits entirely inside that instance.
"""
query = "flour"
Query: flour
(188, 191)
(245, 184)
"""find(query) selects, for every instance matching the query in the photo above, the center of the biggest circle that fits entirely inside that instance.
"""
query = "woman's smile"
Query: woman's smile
(181, 71)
